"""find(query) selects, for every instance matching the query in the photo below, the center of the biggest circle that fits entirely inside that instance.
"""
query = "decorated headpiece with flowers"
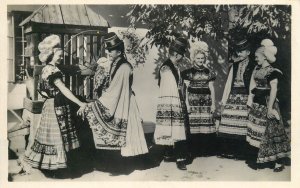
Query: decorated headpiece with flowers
(199, 47)
(48, 46)
(268, 50)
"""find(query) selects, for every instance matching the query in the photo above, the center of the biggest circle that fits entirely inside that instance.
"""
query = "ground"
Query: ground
(152, 168)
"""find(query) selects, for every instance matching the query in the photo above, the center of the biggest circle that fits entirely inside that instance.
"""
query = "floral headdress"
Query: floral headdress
(48, 46)
(268, 50)
(199, 47)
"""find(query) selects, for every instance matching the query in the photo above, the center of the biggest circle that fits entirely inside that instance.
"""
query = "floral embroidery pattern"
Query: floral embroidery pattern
(110, 134)
(68, 130)
(43, 148)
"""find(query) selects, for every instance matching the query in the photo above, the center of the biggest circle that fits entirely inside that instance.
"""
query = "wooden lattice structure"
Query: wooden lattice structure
(81, 31)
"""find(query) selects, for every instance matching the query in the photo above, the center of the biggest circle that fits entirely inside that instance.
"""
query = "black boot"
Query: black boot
(181, 165)
(169, 154)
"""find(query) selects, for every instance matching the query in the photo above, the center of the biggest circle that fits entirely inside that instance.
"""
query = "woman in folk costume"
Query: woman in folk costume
(114, 118)
(201, 100)
(265, 128)
(170, 130)
(56, 134)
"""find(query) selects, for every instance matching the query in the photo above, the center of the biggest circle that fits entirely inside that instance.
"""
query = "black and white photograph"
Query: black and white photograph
(149, 92)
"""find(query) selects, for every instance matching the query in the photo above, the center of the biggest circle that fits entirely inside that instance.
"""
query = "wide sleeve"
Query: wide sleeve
(275, 74)
(69, 69)
(52, 74)
(227, 87)
(116, 97)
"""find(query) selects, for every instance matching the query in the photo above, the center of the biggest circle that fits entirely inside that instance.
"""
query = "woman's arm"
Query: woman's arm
(67, 93)
(187, 83)
(273, 94)
(212, 92)
(251, 86)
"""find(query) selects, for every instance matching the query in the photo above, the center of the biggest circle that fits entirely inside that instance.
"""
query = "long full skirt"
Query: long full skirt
(267, 134)
(234, 118)
(47, 151)
(200, 117)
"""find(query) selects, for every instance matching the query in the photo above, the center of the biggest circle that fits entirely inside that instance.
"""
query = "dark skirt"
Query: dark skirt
(267, 134)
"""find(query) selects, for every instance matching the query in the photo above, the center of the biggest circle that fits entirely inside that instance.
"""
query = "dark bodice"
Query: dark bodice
(262, 78)
(199, 79)
(50, 73)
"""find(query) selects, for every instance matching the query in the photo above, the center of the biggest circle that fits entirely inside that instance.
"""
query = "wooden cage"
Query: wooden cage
(81, 31)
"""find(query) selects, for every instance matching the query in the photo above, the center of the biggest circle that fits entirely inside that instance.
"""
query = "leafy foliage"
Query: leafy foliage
(211, 22)
(196, 22)
(220, 26)
(165, 22)
(274, 20)
(133, 47)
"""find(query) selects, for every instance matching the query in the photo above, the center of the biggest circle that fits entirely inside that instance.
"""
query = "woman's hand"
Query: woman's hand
(248, 109)
(80, 112)
(270, 115)
(212, 108)
(188, 108)
(222, 108)
(102, 60)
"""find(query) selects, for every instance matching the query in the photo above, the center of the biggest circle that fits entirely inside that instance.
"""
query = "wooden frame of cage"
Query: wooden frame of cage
(83, 49)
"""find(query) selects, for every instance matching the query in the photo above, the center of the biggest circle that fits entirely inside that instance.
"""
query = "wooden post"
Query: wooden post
(62, 42)
(87, 58)
(95, 51)
(102, 47)
(67, 58)
(73, 62)
(99, 46)
(27, 60)
(35, 41)
(87, 50)
(93, 61)
(80, 49)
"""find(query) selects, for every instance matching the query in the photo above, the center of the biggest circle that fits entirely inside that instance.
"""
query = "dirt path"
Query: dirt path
(202, 169)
